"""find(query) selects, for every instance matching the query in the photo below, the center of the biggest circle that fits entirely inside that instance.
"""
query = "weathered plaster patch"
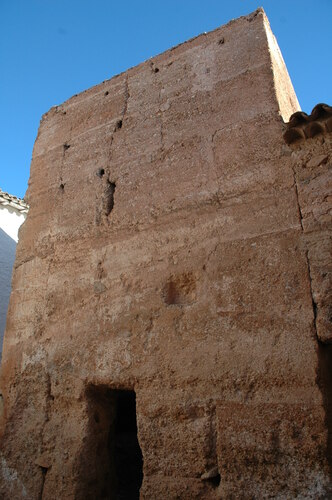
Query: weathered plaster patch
(10, 476)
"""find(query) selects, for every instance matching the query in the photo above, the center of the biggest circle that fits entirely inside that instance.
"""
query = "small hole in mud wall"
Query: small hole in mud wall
(109, 197)
(180, 289)
(215, 481)
(118, 125)
(112, 465)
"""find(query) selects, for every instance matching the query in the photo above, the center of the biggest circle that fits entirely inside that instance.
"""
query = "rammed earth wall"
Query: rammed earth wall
(166, 256)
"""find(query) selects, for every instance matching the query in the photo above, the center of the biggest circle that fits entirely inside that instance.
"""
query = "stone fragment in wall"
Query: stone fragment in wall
(317, 160)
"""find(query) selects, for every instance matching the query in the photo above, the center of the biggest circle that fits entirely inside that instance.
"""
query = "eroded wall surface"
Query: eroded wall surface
(164, 252)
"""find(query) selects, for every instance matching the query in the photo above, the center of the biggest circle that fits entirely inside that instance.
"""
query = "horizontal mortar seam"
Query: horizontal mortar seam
(110, 123)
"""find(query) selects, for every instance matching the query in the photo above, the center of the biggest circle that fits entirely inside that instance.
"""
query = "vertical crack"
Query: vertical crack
(212, 474)
(48, 401)
(214, 169)
(314, 303)
(49, 397)
(297, 199)
(65, 148)
(160, 112)
(119, 123)
(108, 184)
(324, 353)
(161, 122)
(127, 95)
(109, 197)
(44, 471)
(324, 381)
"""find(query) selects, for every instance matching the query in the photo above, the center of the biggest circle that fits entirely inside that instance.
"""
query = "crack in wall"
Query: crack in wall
(314, 303)
(48, 400)
(127, 95)
(61, 184)
(324, 351)
(109, 184)
(99, 277)
(161, 122)
(213, 165)
(44, 471)
(297, 200)
(324, 381)
(49, 397)
(155, 70)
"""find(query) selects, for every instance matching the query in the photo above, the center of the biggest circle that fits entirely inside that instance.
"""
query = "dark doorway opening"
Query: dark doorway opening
(127, 453)
(112, 465)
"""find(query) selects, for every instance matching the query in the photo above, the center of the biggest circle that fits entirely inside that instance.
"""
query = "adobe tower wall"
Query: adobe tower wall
(165, 253)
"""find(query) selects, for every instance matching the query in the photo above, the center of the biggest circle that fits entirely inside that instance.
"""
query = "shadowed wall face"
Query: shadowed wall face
(7, 257)
(11, 219)
(164, 254)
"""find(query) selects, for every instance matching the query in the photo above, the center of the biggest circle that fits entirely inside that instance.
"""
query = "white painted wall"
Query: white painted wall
(10, 222)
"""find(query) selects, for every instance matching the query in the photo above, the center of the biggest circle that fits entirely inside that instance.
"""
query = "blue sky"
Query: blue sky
(52, 49)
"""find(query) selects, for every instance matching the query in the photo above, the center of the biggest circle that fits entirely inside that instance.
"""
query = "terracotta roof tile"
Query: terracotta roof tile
(302, 126)
(10, 200)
